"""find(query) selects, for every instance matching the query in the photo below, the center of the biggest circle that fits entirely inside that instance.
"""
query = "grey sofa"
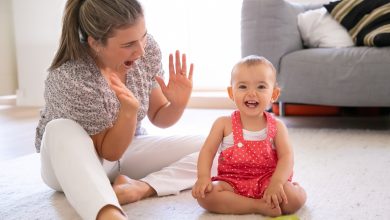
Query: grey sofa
(353, 76)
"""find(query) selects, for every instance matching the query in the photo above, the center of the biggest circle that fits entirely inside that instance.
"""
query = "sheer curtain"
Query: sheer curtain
(207, 31)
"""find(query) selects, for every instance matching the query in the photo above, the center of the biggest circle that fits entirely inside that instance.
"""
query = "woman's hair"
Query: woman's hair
(95, 18)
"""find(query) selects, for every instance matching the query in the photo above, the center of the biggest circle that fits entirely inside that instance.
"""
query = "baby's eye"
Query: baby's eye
(261, 87)
(242, 86)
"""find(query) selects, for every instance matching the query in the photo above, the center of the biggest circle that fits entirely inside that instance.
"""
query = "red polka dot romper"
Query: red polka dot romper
(248, 165)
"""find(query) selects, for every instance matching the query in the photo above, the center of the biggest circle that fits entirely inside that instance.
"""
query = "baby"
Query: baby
(255, 163)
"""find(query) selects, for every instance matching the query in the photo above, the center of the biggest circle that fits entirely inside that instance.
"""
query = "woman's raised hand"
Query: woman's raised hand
(179, 87)
(127, 99)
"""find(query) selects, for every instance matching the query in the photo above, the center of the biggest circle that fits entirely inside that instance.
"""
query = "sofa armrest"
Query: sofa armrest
(269, 28)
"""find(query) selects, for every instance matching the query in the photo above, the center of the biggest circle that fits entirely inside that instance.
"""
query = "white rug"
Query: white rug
(345, 173)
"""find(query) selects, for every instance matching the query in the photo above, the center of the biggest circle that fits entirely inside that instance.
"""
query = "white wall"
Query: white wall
(37, 30)
(8, 81)
(37, 26)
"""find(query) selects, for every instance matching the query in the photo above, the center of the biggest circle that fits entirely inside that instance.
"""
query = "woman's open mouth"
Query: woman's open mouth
(128, 63)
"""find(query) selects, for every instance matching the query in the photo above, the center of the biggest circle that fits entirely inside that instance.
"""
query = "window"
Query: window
(207, 31)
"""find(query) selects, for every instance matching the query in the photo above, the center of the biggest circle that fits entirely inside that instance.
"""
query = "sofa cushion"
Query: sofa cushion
(258, 18)
(368, 21)
(319, 29)
(353, 76)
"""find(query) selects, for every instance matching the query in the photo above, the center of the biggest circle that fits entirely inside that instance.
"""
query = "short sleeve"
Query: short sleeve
(153, 59)
(75, 94)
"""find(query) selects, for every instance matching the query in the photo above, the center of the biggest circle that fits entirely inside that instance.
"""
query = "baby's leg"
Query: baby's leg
(296, 197)
(222, 199)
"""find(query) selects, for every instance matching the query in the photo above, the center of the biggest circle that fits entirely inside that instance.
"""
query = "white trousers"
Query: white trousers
(69, 163)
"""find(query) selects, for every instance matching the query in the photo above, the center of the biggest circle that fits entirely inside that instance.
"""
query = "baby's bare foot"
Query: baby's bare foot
(267, 210)
(128, 190)
(295, 184)
(273, 212)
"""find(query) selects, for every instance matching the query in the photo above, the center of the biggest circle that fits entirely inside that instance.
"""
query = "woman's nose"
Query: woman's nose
(139, 50)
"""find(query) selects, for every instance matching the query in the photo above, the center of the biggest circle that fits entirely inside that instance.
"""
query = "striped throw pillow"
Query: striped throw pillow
(367, 21)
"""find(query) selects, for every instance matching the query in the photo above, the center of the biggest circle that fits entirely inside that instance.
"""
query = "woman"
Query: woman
(105, 78)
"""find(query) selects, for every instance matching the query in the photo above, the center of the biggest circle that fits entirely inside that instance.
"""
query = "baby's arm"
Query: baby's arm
(206, 157)
(275, 194)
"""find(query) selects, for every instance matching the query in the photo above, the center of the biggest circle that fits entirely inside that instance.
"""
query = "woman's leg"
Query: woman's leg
(165, 164)
(69, 163)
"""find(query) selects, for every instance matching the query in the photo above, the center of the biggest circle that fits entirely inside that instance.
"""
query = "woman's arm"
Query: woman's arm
(167, 103)
(111, 143)
(161, 112)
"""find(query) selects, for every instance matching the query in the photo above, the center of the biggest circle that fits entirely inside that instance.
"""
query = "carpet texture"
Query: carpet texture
(345, 174)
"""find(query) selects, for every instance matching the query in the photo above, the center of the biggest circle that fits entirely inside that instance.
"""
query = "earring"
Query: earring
(97, 52)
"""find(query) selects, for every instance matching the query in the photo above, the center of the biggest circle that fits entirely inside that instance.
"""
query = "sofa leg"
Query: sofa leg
(281, 109)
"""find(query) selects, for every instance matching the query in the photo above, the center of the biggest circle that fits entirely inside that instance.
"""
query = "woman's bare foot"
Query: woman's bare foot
(112, 213)
(128, 190)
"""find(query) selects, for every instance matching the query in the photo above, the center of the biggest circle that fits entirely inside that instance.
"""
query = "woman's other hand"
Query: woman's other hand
(128, 101)
(179, 87)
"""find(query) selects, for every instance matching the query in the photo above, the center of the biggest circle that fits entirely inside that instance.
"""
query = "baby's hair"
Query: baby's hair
(253, 60)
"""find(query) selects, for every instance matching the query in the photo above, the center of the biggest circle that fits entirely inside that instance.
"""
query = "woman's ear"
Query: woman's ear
(275, 94)
(230, 92)
(93, 44)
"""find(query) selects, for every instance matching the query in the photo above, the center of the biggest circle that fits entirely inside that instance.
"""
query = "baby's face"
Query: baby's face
(253, 87)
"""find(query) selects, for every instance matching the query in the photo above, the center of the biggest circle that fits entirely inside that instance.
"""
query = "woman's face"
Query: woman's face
(126, 46)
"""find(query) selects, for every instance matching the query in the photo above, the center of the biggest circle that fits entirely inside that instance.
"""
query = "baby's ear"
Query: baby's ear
(275, 94)
(230, 92)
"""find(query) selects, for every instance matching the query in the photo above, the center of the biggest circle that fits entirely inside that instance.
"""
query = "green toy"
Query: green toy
(286, 217)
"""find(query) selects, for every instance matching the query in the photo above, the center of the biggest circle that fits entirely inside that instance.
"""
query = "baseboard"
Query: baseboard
(214, 100)
(8, 100)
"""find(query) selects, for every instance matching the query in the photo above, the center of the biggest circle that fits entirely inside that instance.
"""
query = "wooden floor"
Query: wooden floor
(17, 131)
(17, 125)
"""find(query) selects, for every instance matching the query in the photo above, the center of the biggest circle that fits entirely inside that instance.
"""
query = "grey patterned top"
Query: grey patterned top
(77, 90)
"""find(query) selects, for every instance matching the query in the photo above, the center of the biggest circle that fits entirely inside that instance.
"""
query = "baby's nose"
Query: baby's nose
(252, 92)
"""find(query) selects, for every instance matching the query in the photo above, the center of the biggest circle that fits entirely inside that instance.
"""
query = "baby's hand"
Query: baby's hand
(201, 187)
(274, 195)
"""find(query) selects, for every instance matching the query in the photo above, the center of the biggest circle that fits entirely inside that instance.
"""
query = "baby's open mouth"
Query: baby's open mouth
(251, 104)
